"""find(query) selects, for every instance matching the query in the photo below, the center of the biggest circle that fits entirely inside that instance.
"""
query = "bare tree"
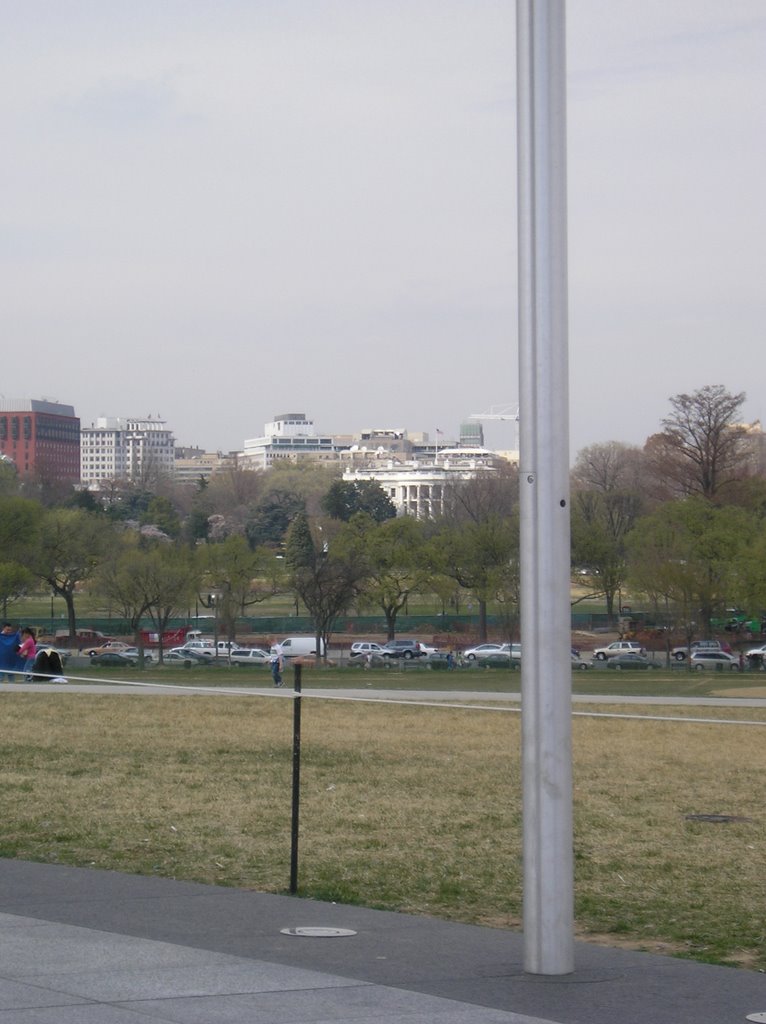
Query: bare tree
(606, 503)
(701, 449)
(608, 468)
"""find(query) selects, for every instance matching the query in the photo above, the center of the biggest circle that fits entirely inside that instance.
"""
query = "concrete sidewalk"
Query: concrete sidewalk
(81, 946)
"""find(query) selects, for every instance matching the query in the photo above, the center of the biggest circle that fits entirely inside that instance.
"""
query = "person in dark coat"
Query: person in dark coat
(47, 666)
(10, 641)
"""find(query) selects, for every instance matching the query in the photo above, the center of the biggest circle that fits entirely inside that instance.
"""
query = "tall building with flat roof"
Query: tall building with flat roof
(42, 438)
(290, 435)
(134, 449)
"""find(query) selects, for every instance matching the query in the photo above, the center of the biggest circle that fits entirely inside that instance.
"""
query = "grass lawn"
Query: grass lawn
(406, 808)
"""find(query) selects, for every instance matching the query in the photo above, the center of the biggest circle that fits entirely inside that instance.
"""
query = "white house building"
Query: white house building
(419, 488)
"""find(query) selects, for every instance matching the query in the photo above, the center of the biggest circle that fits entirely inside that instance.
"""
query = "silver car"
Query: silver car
(720, 660)
(249, 656)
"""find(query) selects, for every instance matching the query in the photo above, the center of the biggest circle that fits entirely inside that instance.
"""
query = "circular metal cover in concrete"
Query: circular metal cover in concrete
(318, 933)
(761, 1017)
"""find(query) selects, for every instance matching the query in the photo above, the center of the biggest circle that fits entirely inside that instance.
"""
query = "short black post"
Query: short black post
(296, 778)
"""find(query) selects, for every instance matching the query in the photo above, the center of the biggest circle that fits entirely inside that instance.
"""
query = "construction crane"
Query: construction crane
(500, 412)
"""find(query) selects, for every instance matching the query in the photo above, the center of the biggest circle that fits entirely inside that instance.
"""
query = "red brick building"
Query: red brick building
(42, 438)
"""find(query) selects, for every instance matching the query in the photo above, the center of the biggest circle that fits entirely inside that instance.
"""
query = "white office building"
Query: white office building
(292, 436)
(114, 448)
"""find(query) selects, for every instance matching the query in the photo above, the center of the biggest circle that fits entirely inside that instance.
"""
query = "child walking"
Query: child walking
(28, 651)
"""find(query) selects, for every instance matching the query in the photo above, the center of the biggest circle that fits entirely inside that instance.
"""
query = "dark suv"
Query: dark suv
(402, 649)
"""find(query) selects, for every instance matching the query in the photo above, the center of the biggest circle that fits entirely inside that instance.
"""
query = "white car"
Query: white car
(618, 647)
(361, 649)
(756, 652)
(249, 656)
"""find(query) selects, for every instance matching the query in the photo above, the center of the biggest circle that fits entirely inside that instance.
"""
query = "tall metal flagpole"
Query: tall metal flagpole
(544, 479)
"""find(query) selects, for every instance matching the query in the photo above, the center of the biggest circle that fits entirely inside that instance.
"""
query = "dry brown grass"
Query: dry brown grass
(416, 809)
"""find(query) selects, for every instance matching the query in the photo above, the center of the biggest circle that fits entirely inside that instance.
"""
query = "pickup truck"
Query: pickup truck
(208, 649)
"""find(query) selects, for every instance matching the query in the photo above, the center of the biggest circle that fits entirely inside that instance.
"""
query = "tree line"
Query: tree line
(678, 522)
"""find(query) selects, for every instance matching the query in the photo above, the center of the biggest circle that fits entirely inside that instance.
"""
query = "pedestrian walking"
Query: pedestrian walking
(276, 669)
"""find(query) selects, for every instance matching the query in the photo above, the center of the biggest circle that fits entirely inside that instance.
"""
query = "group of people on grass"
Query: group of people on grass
(19, 654)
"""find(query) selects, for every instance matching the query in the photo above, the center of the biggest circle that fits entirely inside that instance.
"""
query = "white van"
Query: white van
(297, 647)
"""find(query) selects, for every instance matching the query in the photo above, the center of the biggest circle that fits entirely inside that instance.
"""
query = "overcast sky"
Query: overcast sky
(219, 210)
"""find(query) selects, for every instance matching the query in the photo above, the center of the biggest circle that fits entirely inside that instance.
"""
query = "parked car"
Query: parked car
(482, 651)
(495, 654)
(133, 652)
(110, 645)
(174, 656)
(577, 661)
(204, 654)
(436, 654)
(406, 649)
(224, 646)
(756, 652)
(114, 658)
(616, 648)
(249, 656)
(84, 639)
(682, 653)
(629, 662)
(200, 645)
(361, 649)
(701, 660)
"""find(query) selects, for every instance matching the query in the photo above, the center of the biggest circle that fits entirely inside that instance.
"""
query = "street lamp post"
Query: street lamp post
(544, 501)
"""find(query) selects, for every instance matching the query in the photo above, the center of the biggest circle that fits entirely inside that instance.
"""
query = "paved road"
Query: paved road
(369, 693)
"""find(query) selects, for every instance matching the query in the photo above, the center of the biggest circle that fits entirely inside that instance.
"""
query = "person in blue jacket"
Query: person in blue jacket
(10, 640)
